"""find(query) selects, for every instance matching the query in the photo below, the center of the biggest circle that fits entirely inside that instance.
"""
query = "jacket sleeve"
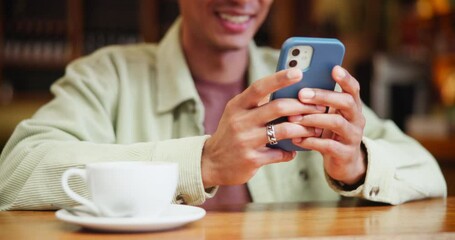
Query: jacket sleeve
(78, 127)
(399, 168)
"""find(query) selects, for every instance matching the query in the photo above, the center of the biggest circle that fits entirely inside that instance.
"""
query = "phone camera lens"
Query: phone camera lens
(293, 63)
(295, 52)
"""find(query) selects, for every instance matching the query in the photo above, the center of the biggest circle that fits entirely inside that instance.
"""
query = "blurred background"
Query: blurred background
(401, 51)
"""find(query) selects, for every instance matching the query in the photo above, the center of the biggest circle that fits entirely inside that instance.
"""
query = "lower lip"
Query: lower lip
(233, 27)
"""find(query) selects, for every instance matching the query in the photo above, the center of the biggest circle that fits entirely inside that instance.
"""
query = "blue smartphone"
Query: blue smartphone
(316, 57)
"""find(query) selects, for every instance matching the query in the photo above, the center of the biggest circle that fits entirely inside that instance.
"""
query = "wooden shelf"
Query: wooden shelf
(49, 40)
(28, 63)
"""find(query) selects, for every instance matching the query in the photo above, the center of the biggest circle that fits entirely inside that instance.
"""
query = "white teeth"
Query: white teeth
(237, 19)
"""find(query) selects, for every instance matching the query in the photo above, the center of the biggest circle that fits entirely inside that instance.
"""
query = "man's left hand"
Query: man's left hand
(340, 144)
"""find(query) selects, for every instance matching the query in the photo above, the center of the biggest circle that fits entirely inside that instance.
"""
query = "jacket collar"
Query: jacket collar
(174, 87)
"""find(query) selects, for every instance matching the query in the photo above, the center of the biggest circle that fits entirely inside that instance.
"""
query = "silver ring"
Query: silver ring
(271, 134)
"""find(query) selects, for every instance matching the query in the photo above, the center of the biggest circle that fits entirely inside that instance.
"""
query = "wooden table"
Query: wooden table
(352, 219)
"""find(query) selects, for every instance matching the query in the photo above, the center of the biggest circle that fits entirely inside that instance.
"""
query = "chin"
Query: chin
(234, 43)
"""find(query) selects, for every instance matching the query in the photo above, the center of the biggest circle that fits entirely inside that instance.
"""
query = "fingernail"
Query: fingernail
(293, 73)
(340, 72)
(297, 140)
(296, 118)
(318, 131)
(306, 93)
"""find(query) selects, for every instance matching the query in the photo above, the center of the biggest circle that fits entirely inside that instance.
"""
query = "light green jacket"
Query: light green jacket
(139, 103)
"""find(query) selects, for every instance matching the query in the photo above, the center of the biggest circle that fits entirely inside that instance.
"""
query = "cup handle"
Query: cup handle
(76, 197)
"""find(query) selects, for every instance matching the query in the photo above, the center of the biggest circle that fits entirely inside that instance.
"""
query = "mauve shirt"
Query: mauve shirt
(215, 96)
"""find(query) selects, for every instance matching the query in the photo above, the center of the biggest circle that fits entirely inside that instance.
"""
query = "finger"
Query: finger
(258, 136)
(260, 116)
(281, 108)
(333, 122)
(269, 156)
(347, 83)
(324, 146)
(288, 130)
(260, 89)
(344, 102)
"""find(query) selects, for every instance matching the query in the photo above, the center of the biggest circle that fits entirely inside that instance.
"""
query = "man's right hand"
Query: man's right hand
(237, 149)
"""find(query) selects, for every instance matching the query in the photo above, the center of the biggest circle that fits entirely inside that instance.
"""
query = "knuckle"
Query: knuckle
(339, 122)
(235, 125)
(229, 108)
(282, 131)
(350, 152)
(332, 147)
(241, 142)
(284, 157)
(349, 102)
(318, 94)
(279, 106)
(252, 159)
(256, 89)
(280, 77)
(363, 122)
(358, 133)
(356, 87)
(233, 102)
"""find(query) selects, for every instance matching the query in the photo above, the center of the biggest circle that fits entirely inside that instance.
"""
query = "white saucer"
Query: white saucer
(174, 216)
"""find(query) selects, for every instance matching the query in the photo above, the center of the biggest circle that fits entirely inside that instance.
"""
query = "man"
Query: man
(157, 102)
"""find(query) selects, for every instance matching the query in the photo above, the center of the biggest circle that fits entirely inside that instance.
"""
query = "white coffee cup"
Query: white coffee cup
(125, 189)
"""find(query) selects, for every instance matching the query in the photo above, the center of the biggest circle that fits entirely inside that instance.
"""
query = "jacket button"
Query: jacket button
(304, 174)
(180, 199)
(374, 191)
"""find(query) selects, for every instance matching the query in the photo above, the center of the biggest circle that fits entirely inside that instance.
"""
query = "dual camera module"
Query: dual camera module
(300, 57)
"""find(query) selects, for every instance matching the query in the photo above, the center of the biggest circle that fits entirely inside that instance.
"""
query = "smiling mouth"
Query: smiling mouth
(235, 19)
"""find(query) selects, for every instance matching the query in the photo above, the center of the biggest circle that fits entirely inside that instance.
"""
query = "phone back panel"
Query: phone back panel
(327, 53)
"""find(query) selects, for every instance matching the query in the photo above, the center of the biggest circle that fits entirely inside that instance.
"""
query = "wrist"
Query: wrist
(206, 172)
(351, 187)
(358, 178)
